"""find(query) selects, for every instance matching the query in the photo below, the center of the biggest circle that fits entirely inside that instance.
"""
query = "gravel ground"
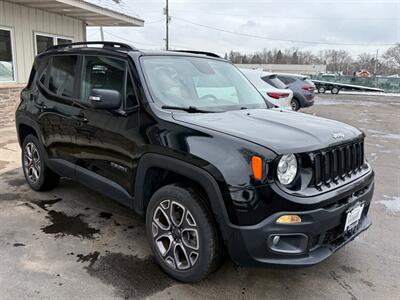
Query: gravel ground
(72, 243)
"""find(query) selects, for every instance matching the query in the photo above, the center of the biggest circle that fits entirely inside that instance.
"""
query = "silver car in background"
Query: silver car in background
(280, 97)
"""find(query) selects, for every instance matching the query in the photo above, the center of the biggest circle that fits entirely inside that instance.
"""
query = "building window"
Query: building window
(45, 41)
(6, 56)
(61, 41)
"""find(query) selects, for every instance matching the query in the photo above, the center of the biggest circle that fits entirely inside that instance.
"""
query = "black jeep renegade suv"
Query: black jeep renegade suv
(184, 139)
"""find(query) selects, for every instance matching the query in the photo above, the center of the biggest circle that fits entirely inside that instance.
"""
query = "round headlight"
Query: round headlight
(287, 169)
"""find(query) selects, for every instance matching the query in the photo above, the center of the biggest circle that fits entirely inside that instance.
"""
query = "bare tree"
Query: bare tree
(392, 56)
(336, 61)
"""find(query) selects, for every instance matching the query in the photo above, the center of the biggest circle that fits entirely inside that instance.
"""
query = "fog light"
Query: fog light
(288, 219)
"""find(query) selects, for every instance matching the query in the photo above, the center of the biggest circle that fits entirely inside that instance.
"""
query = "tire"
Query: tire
(335, 90)
(295, 104)
(179, 222)
(321, 90)
(37, 174)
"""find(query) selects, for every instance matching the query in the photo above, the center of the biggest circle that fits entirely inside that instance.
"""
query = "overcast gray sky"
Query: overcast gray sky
(367, 22)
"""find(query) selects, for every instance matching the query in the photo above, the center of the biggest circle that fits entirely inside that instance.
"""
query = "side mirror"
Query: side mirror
(105, 99)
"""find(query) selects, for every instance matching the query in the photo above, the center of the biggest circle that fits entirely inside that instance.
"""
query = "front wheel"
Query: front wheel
(182, 233)
(321, 90)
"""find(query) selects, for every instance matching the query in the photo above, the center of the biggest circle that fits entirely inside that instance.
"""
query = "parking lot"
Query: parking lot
(72, 243)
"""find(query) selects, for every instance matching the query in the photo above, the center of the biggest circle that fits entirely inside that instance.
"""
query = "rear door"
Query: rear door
(108, 139)
(58, 109)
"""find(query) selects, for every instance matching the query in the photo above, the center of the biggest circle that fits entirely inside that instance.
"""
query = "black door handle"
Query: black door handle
(80, 118)
(41, 106)
(33, 96)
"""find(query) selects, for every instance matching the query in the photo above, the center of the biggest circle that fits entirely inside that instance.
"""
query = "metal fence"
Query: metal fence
(388, 84)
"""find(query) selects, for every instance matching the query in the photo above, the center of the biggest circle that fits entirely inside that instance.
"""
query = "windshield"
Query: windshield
(200, 82)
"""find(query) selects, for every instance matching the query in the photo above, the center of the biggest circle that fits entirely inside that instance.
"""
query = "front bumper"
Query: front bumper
(319, 235)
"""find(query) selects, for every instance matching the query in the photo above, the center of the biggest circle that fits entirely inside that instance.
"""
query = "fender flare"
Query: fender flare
(197, 174)
(24, 120)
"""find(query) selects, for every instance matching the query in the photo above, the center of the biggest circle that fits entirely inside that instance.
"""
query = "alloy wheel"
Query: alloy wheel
(32, 163)
(293, 105)
(175, 235)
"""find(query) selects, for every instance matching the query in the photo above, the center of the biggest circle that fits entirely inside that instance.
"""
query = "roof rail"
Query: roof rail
(116, 45)
(198, 52)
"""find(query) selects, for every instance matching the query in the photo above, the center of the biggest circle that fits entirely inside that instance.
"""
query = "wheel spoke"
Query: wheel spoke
(161, 219)
(164, 243)
(170, 261)
(189, 220)
(181, 257)
(28, 150)
(193, 256)
(35, 173)
(177, 213)
(27, 160)
(190, 238)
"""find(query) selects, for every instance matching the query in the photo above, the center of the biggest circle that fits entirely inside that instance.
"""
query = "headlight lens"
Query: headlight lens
(287, 169)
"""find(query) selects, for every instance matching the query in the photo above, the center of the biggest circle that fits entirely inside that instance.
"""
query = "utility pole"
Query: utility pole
(101, 33)
(167, 19)
(376, 60)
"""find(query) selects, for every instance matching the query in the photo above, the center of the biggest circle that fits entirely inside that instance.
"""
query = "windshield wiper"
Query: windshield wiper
(189, 109)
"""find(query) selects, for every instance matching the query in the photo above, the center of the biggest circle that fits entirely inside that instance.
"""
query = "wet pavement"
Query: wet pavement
(72, 243)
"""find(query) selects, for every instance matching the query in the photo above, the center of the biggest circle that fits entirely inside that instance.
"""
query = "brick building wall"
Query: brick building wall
(9, 99)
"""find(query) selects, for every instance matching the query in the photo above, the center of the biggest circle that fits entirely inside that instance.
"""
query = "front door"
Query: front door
(107, 139)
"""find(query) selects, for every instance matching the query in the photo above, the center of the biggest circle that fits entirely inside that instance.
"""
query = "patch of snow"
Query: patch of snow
(329, 102)
(384, 135)
(371, 94)
(374, 156)
(392, 204)
(385, 151)
(391, 136)
(345, 102)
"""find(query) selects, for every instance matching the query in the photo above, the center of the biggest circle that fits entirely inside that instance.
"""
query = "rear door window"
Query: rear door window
(61, 73)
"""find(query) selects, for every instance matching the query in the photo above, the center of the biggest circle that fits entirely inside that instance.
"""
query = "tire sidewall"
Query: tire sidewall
(185, 198)
(32, 139)
(295, 105)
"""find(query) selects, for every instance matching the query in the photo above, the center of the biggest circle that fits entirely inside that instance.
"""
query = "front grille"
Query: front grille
(337, 163)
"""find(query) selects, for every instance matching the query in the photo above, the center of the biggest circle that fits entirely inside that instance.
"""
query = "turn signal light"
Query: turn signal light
(257, 166)
(288, 219)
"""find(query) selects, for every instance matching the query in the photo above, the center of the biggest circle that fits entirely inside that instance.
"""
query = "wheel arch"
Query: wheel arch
(26, 126)
(144, 187)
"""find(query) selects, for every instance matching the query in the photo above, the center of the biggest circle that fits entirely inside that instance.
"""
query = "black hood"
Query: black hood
(281, 131)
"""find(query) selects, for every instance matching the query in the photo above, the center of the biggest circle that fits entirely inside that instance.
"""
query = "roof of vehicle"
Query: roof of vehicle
(299, 76)
(116, 47)
(255, 76)
(260, 72)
